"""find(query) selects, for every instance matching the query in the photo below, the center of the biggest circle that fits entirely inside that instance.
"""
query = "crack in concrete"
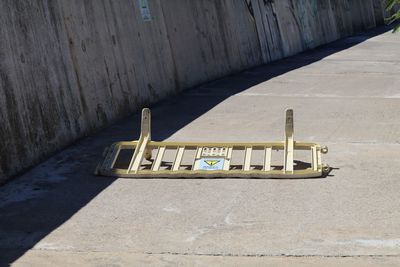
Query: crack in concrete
(267, 255)
(260, 255)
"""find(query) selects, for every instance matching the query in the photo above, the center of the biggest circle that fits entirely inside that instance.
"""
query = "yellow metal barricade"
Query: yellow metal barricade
(146, 158)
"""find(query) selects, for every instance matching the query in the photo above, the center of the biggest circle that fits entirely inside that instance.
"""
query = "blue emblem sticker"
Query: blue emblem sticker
(211, 164)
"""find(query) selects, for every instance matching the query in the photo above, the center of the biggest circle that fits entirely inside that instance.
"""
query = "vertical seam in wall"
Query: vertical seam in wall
(268, 57)
(75, 70)
(175, 70)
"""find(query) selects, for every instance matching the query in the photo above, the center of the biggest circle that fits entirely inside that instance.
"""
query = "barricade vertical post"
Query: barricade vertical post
(146, 129)
(145, 137)
(289, 142)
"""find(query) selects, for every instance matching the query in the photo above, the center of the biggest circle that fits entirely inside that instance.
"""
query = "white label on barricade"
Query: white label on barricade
(211, 164)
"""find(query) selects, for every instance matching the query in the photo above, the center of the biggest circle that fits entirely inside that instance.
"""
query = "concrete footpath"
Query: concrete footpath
(345, 95)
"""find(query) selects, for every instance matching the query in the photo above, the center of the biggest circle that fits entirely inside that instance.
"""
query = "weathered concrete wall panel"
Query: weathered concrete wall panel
(210, 38)
(379, 11)
(70, 67)
(287, 27)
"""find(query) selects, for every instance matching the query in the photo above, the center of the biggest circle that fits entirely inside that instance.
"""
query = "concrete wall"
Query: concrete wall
(70, 67)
